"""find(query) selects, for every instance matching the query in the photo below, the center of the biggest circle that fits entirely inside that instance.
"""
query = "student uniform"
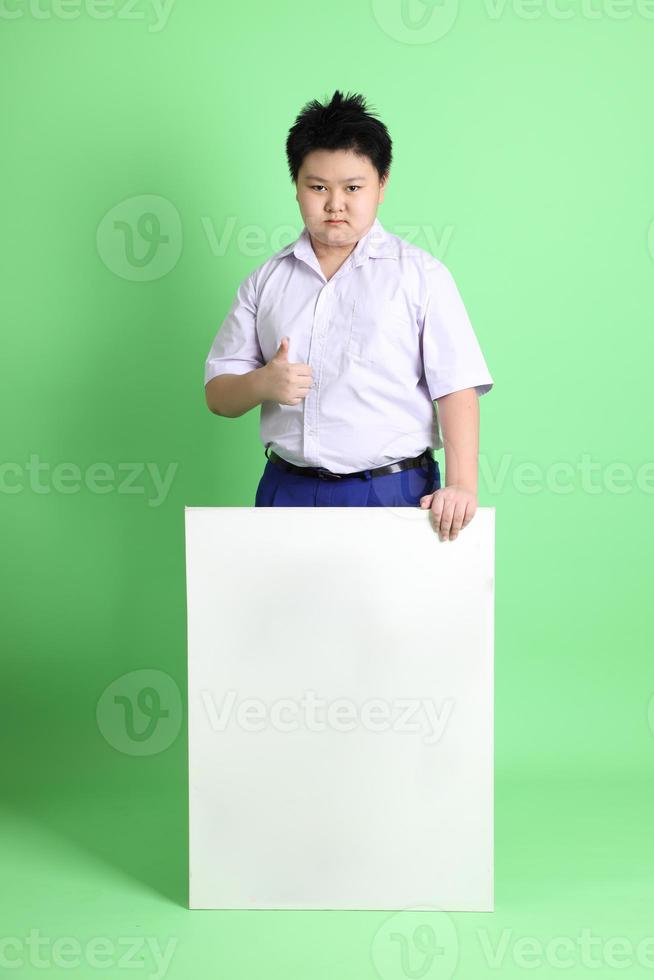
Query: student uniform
(385, 336)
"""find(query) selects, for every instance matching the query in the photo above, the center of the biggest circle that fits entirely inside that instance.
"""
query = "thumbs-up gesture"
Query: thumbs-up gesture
(286, 383)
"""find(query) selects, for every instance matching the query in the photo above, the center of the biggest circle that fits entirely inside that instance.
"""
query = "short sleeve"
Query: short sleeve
(452, 357)
(235, 349)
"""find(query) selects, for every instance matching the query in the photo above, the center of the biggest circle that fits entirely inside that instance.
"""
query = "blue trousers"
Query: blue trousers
(278, 488)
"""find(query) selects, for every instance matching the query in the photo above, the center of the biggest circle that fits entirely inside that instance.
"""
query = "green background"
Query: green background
(524, 159)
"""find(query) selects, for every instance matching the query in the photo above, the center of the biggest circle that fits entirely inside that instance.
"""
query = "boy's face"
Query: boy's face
(338, 184)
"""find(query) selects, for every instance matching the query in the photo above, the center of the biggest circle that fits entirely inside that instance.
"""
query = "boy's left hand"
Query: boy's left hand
(451, 509)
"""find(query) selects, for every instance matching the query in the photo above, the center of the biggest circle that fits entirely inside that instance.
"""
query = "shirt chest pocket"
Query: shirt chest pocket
(378, 330)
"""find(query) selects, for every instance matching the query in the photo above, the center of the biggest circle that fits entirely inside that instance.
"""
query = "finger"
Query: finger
(446, 519)
(437, 511)
(458, 518)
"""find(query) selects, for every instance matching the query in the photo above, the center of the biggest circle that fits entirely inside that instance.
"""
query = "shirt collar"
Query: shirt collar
(376, 244)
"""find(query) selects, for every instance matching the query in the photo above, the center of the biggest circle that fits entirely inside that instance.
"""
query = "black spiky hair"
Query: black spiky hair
(346, 123)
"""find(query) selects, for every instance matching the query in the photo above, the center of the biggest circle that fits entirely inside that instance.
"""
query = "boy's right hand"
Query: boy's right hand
(286, 383)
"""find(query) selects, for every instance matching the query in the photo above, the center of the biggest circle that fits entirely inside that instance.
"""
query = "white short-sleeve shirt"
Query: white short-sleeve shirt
(385, 337)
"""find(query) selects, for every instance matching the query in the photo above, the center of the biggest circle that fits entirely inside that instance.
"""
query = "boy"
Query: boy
(347, 338)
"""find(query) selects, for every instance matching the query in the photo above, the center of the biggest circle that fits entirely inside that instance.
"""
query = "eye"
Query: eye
(315, 187)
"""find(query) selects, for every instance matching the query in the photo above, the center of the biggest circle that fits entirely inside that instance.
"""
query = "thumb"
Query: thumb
(426, 500)
(282, 351)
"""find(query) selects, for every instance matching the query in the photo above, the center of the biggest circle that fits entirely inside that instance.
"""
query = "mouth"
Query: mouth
(335, 221)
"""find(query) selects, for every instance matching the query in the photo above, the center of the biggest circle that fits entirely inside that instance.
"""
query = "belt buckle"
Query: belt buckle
(324, 474)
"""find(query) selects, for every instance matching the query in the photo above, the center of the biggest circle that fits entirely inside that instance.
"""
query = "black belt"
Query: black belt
(323, 474)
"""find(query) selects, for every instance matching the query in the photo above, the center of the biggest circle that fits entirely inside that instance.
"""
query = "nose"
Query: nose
(335, 204)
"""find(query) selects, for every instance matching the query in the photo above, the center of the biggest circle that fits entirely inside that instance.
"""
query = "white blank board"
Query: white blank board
(340, 709)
